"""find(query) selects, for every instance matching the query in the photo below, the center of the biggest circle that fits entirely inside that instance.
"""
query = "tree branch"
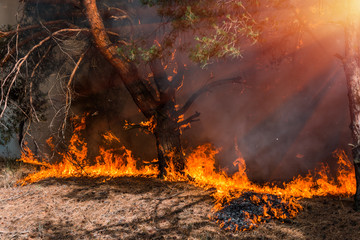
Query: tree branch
(19, 45)
(68, 90)
(11, 77)
(205, 89)
(40, 61)
(147, 127)
(9, 33)
(192, 118)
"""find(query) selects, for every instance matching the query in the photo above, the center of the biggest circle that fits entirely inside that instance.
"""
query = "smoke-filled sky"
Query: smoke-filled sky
(289, 117)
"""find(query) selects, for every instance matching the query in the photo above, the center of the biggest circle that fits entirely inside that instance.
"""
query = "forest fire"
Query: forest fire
(263, 72)
(115, 162)
(240, 204)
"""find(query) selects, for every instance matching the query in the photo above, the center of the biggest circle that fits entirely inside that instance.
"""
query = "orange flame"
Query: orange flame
(200, 166)
(147, 126)
(200, 171)
(116, 162)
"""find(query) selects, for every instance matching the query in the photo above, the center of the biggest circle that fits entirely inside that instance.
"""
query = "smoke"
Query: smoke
(288, 118)
(290, 114)
(8, 10)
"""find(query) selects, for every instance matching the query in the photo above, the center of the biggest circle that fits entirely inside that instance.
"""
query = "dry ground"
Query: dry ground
(139, 208)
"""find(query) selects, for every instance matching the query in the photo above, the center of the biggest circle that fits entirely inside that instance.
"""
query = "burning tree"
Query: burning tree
(220, 27)
(352, 72)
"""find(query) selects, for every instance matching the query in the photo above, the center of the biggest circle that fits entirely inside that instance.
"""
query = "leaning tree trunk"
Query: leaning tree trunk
(351, 63)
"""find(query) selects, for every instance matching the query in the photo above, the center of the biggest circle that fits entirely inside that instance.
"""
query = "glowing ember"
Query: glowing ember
(247, 211)
(230, 192)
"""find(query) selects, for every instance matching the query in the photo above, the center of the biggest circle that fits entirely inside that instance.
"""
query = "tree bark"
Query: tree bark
(167, 133)
(168, 143)
(352, 72)
(167, 130)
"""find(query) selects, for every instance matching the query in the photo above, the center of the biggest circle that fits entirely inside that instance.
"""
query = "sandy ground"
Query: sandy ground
(140, 208)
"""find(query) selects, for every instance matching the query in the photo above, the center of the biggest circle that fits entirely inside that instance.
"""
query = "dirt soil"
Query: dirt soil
(140, 208)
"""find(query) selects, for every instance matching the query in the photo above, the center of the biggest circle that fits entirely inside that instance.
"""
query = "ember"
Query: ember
(251, 209)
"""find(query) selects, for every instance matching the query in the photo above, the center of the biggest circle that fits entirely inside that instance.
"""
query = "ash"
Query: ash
(251, 209)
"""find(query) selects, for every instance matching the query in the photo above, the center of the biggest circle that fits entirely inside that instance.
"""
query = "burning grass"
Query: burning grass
(265, 202)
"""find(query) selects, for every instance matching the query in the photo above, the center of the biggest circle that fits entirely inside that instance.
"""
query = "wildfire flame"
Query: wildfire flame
(111, 163)
(199, 170)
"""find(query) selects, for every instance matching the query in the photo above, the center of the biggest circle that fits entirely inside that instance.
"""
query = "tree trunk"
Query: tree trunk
(352, 73)
(356, 156)
(167, 135)
(169, 147)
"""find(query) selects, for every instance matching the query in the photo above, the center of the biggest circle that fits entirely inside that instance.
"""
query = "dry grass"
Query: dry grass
(11, 171)
(139, 208)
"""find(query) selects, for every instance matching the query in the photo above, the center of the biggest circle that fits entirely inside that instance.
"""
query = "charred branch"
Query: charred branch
(191, 119)
(208, 87)
(132, 126)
